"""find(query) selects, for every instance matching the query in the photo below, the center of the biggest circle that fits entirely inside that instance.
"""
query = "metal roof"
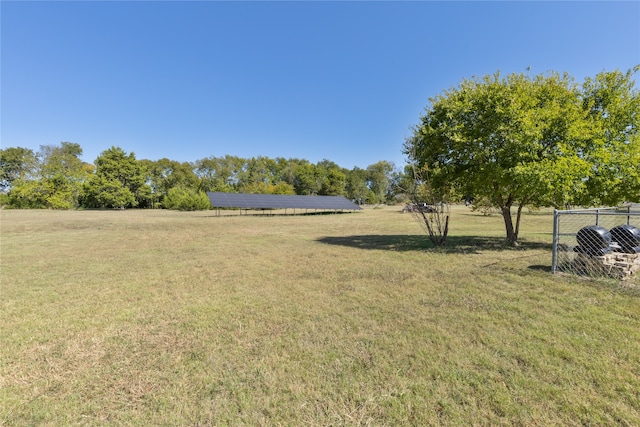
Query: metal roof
(278, 201)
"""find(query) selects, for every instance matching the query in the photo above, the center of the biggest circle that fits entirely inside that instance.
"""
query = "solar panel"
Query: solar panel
(279, 201)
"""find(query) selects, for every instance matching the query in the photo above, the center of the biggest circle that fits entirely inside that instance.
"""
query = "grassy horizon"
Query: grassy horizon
(144, 317)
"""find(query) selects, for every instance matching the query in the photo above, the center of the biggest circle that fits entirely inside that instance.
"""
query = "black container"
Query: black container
(591, 251)
(594, 237)
(627, 237)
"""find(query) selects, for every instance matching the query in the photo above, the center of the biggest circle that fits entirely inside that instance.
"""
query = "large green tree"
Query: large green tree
(306, 178)
(55, 180)
(256, 170)
(63, 168)
(514, 141)
(331, 177)
(613, 107)
(16, 163)
(118, 182)
(380, 179)
(219, 173)
(356, 188)
(164, 174)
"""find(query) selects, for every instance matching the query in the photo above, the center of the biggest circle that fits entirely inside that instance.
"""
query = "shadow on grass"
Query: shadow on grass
(543, 268)
(455, 244)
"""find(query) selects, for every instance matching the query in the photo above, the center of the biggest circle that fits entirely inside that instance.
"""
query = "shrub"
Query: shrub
(184, 199)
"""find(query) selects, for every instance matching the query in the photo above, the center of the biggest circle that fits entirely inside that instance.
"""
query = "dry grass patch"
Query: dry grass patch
(169, 318)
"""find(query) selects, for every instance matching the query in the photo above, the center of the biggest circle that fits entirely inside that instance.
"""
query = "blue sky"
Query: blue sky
(343, 81)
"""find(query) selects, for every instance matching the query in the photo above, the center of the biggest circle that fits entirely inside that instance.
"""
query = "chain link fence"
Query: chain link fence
(598, 242)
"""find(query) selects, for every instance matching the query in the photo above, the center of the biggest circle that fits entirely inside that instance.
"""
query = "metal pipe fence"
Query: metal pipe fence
(601, 242)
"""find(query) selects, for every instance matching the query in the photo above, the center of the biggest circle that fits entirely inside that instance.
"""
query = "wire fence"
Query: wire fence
(598, 242)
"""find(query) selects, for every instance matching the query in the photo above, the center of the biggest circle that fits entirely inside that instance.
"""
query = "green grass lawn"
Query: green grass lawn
(172, 318)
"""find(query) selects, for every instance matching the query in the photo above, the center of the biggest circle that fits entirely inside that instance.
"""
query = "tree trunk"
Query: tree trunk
(518, 216)
(512, 234)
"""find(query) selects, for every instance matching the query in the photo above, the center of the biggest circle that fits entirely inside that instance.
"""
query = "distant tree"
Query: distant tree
(219, 173)
(265, 175)
(379, 180)
(62, 166)
(55, 182)
(356, 185)
(331, 178)
(284, 170)
(262, 188)
(282, 188)
(153, 179)
(103, 192)
(256, 170)
(255, 188)
(119, 181)
(164, 174)
(271, 169)
(30, 194)
(16, 163)
(307, 181)
(405, 183)
(511, 142)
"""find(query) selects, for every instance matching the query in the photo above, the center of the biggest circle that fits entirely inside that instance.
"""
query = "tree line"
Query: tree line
(55, 177)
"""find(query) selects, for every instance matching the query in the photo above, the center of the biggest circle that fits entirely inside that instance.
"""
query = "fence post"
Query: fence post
(554, 250)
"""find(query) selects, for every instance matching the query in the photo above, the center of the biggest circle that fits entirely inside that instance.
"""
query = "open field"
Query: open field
(172, 318)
